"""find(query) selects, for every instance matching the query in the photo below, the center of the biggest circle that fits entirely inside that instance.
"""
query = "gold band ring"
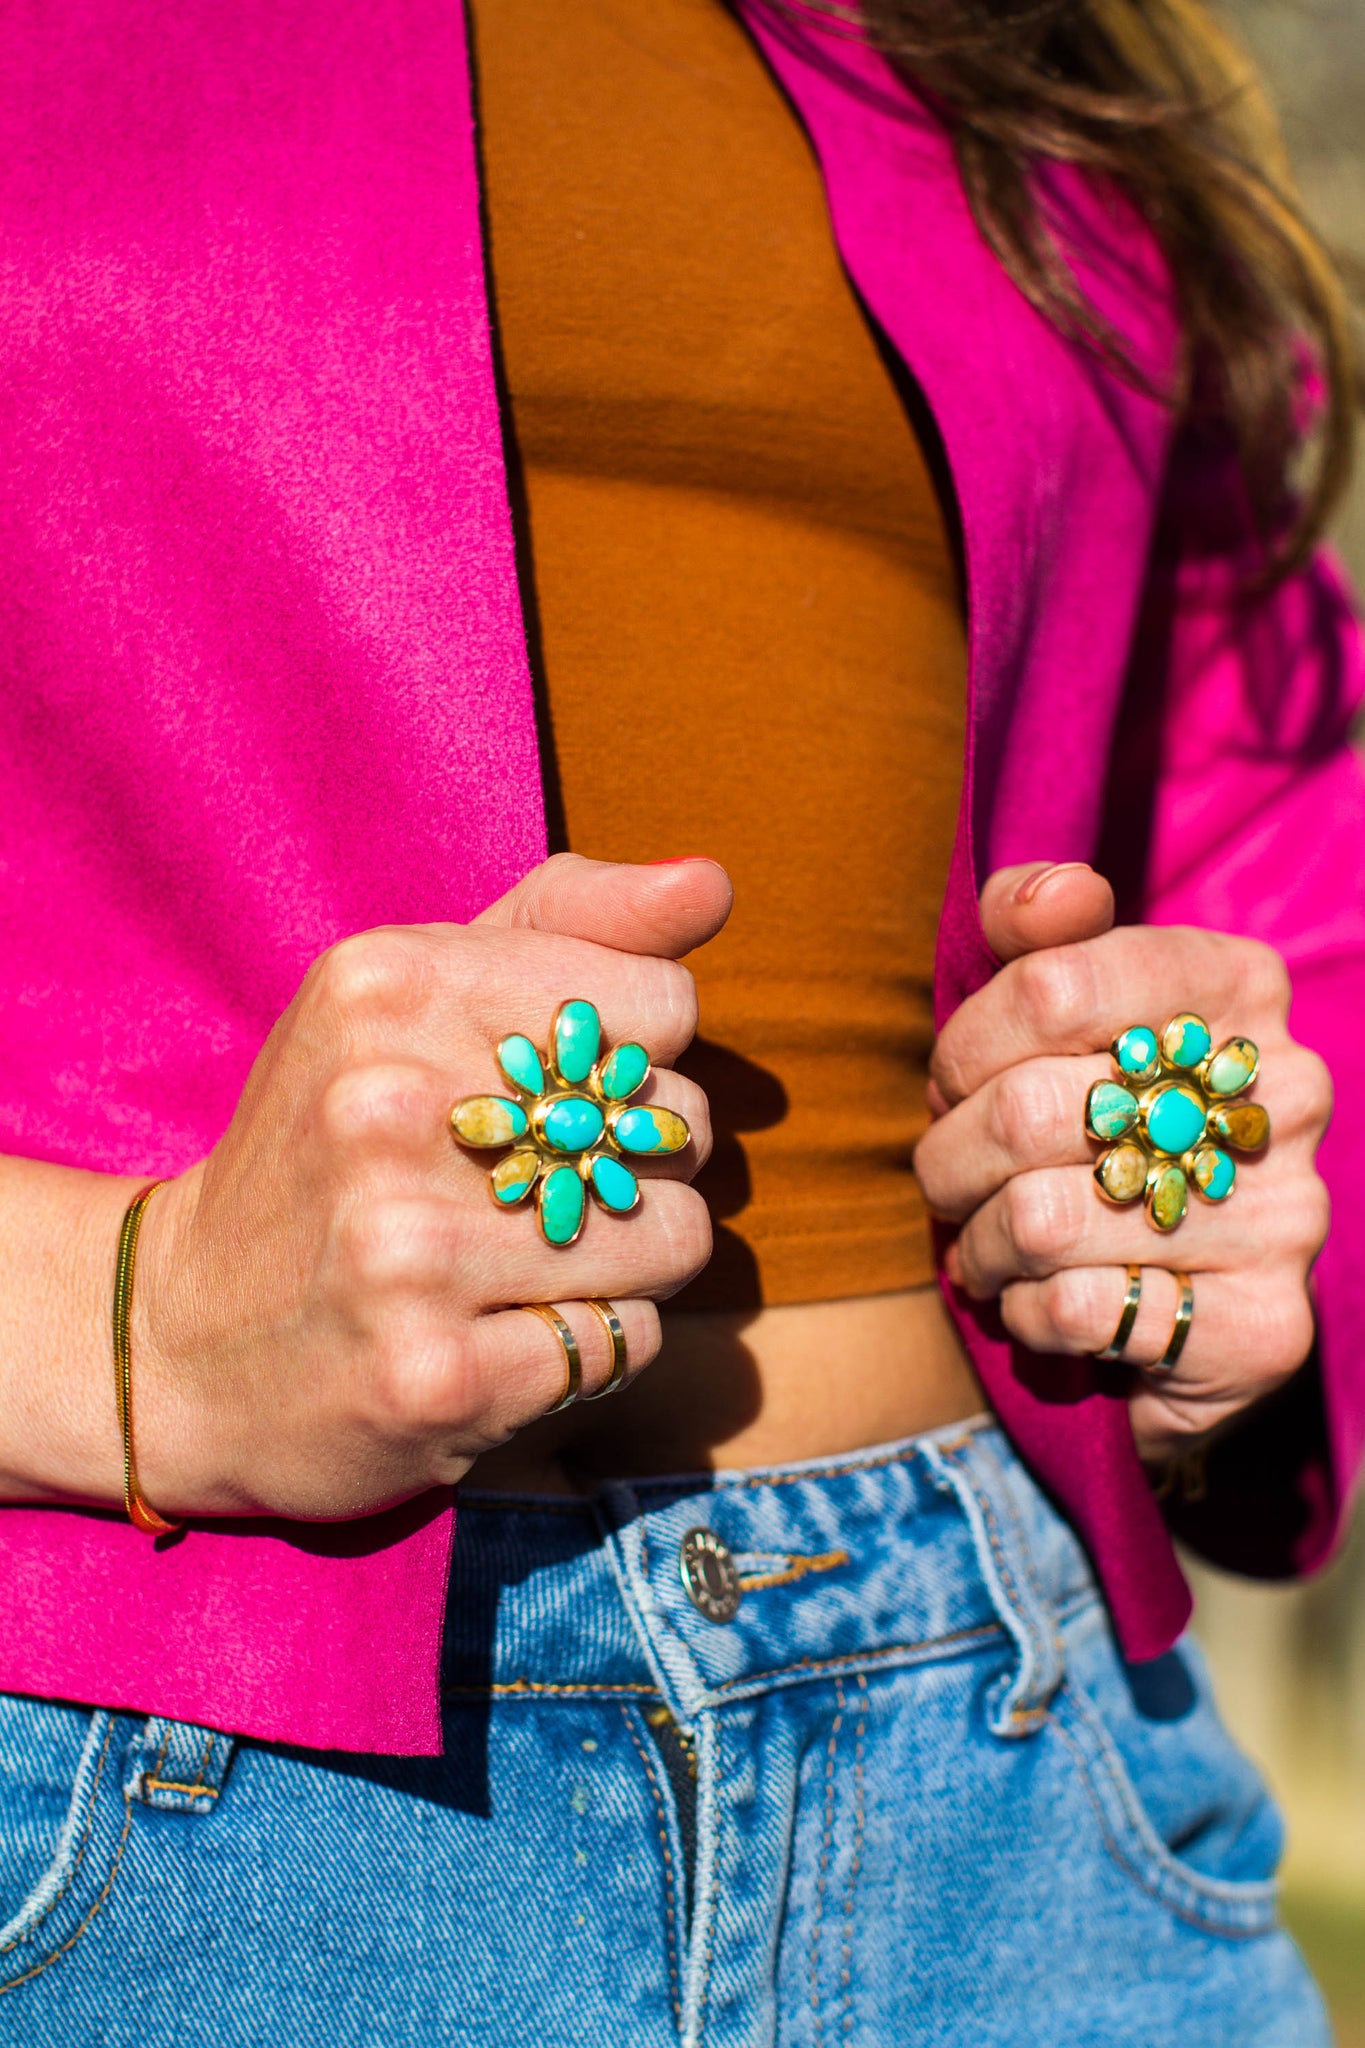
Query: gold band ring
(573, 1357)
(611, 1323)
(1127, 1317)
(1184, 1316)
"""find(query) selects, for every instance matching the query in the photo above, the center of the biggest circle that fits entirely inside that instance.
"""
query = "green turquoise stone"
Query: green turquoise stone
(1214, 1173)
(1185, 1041)
(1110, 1111)
(1175, 1120)
(1167, 1197)
(1137, 1051)
(1232, 1068)
(520, 1062)
(614, 1185)
(561, 1205)
(514, 1176)
(649, 1130)
(573, 1124)
(577, 1041)
(488, 1120)
(623, 1071)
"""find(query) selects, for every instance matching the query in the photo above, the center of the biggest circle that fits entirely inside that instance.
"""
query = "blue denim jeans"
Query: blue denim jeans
(907, 1794)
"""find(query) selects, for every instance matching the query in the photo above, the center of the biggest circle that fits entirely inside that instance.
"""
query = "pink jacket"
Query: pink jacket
(265, 683)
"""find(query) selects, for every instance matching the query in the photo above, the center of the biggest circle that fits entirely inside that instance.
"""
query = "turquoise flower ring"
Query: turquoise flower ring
(1170, 1123)
(570, 1124)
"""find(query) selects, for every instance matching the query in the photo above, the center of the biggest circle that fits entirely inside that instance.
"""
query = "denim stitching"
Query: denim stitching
(797, 1568)
(169, 1785)
(814, 1666)
(13, 1983)
(670, 1916)
(1029, 1563)
(1021, 1716)
(825, 1844)
(855, 1866)
(713, 1915)
(79, 1856)
(1171, 1888)
(530, 1687)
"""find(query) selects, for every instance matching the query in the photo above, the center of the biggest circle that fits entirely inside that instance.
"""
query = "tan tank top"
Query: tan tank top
(746, 605)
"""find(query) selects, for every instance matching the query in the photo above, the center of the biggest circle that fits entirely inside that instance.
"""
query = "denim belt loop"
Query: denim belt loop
(176, 1767)
(969, 1470)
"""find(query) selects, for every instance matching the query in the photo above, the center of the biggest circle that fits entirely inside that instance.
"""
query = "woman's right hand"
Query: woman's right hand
(323, 1320)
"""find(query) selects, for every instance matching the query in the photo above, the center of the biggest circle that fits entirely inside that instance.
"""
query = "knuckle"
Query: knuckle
(375, 970)
(538, 896)
(1076, 1303)
(1041, 1217)
(389, 1245)
(372, 1104)
(1314, 1088)
(685, 1227)
(1265, 977)
(1028, 1112)
(668, 997)
(1056, 991)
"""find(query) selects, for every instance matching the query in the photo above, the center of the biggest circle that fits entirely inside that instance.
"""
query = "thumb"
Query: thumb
(1039, 904)
(665, 909)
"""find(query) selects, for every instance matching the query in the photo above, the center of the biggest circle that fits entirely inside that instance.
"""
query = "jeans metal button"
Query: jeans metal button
(709, 1575)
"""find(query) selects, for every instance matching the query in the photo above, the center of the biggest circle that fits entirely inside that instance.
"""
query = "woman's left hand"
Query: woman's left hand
(1009, 1159)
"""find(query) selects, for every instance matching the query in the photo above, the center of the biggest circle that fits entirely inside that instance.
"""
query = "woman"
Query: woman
(778, 1698)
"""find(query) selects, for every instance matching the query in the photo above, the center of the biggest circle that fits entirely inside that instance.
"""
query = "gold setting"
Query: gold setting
(571, 1123)
(1172, 1119)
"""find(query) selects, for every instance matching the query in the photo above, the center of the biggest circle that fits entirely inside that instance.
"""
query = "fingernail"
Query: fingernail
(1031, 884)
(681, 860)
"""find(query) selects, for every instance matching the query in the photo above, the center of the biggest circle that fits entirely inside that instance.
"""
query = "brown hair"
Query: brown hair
(1154, 95)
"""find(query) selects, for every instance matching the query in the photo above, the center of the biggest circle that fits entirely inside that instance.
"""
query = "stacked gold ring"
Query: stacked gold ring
(1184, 1316)
(573, 1357)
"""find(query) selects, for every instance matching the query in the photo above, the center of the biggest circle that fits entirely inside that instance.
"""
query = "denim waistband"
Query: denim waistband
(898, 1554)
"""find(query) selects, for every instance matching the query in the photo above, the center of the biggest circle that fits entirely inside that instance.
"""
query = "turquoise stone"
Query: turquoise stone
(520, 1062)
(572, 1124)
(1167, 1196)
(1175, 1120)
(649, 1130)
(514, 1177)
(1214, 1173)
(1232, 1068)
(1243, 1124)
(560, 1202)
(488, 1120)
(1110, 1110)
(1137, 1052)
(1185, 1041)
(623, 1071)
(614, 1185)
(577, 1041)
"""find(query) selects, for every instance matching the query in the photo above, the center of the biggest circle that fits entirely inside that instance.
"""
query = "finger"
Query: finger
(519, 1362)
(1243, 1340)
(1032, 1115)
(1076, 998)
(664, 909)
(662, 1244)
(1052, 904)
(1040, 1223)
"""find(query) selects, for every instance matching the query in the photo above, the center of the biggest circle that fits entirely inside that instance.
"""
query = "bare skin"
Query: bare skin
(323, 1322)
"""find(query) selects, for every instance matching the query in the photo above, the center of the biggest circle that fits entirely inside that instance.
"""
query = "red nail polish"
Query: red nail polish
(681, 860)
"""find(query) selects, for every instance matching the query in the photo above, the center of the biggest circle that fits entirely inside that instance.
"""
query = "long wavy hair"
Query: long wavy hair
(1154, 95)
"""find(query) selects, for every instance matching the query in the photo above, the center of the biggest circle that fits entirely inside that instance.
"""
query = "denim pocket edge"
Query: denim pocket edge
(1238, 1907)
(85, 1863)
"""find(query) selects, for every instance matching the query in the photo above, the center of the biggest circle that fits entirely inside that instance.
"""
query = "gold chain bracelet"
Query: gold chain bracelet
(139, 1513)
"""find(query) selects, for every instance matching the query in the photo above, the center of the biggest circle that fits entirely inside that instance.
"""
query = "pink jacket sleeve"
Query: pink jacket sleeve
(1238, 803)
